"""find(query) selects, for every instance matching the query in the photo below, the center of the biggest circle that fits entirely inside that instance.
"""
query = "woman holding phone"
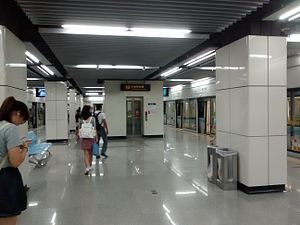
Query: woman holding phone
(13, 199)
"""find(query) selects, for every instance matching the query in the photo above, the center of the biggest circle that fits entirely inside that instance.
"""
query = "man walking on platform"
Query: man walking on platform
(102, 128)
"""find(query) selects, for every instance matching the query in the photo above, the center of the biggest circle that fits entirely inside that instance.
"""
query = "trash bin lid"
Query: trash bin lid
(226, 153)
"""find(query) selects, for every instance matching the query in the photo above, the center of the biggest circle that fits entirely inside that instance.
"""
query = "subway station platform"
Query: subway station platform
(148, 181)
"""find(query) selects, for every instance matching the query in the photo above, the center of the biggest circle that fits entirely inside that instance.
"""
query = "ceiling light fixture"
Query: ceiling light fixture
(92, 87)
(180, 80)
(86, 66)
(126, 31)
(41, 69)
(164, 33)
(91, 94)
(32, 57)
(171, 71)
(290, 13)
(200, 58)
(28, 60)
(47, 69)
(294, 17)
(32, 79)
(130, 67)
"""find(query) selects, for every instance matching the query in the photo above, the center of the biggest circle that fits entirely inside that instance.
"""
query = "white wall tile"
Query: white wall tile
(222, 76)
(277, 110)
(223, 110)
(278, 61)
(258, 111)
(223, 139)
(258, 60)
(61, 110)
(50, 88)
(253, 155)
(50, 110)
(277, 160)
(51, 129)
(239, 59)
(239, 116)
(61, 129)
(61, 91)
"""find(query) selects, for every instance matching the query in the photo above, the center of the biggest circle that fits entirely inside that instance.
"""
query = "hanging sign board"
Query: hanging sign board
(135, 87)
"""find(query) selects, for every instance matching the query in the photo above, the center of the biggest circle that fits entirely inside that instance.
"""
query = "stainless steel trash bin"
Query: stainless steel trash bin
(226, 169)
(212, 163)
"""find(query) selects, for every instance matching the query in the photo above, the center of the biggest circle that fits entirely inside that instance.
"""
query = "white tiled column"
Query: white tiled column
(56, 111)
(13, 74)
(251, 109)
(72, 110)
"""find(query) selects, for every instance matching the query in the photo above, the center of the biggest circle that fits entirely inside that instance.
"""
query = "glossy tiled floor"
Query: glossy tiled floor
(149, 182)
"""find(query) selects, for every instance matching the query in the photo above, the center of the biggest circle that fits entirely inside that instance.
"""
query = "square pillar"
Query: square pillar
(251, 109)
(13, 74)
(56, 111)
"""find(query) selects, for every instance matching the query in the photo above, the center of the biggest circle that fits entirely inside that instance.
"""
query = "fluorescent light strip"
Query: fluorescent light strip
(201, 59)
(171, 71)
(290, 13)
(47, 69)
(180, 80)
(31, 79)
(92, 87)
(91, 94)
(32, 57)
(41, 69)
(94, 91)
(125, 31)
(86, 66)
(294, 17)
(122, 67)
(200, 82)
(28, 60)
(163, 33)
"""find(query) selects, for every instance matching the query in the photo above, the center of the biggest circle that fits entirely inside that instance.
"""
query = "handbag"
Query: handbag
(95, 150)
(13, 197)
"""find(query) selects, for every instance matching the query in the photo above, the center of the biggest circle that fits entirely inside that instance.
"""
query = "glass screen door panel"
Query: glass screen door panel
(129, 117)
(134, 116)
(137, 117)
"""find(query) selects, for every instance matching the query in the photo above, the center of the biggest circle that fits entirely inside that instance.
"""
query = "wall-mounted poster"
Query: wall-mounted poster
(151, 108)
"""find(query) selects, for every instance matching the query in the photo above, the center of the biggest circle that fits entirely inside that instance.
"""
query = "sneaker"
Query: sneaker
(98, 157)
(103, 154)
(87, 170)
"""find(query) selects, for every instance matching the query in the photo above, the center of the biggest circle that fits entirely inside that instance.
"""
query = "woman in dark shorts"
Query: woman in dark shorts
(13, 199)
(86, 143)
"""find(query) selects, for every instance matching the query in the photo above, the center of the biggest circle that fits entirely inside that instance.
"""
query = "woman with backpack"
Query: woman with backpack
(88, 136)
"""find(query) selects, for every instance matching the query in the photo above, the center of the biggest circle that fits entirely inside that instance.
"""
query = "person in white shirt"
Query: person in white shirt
(102, 129)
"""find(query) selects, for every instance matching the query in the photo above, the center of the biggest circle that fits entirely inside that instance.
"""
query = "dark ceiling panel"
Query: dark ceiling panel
(89, 49)
(107, 74)
(200, 16)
